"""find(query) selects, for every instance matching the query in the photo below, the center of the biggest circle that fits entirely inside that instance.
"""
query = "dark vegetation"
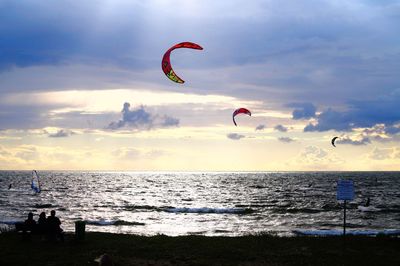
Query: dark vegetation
(200, 250)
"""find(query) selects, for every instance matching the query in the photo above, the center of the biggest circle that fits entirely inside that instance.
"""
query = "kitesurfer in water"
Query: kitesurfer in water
(368, 202)
(9, 186)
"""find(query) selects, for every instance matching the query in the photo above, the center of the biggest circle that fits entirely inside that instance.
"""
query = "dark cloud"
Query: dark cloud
(331, 119)
(62, 133)
(361, 114)
(285, 55)
(356, 142)
(286, 139)
(392, 130)
(141, 119)
(20, 116)
(235, 136)
(57, 33)
(138, 118)
(303, 110)
(168, 121)
(382, 130)
(281, 128)
(32, 115)
(260, 127)
(378, 133)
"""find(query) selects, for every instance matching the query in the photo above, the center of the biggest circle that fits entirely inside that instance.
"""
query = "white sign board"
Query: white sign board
(345, 189)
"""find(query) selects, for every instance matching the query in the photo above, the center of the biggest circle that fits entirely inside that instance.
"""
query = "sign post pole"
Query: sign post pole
(345, 192)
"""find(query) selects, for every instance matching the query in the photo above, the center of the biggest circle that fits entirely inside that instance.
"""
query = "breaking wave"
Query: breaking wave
(111, 222)
(209, 210)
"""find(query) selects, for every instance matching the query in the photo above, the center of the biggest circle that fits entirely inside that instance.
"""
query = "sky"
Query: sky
(81, 85)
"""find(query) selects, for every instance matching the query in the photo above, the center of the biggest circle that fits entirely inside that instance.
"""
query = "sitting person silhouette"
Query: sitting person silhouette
(42, 223)
(53, 227)
(29, 225)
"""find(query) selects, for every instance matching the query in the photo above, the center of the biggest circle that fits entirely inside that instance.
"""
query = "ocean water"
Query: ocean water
(209, 203)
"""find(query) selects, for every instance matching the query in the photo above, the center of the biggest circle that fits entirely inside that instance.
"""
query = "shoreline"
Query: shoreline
(157, 250)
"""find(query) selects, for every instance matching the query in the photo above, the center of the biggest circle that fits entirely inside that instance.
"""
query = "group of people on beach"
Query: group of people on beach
(50, 226)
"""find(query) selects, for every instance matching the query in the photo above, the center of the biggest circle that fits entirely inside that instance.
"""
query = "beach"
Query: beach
(157, 250)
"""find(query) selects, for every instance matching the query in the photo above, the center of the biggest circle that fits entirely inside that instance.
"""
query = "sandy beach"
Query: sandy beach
(200, 250)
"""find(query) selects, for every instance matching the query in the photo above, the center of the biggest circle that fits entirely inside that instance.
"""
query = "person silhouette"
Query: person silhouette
(104, 260)
(53, 226)
(42, 223)
(29, 225)
(368, 202)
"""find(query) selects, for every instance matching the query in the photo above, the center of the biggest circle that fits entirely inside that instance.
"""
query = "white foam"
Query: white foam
(205, 210)
(368, 209)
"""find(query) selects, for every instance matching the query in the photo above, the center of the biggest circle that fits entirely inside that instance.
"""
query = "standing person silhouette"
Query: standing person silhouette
(368, 202)
(53, 226)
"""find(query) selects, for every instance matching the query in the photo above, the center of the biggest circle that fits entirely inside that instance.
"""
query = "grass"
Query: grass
(200, 250)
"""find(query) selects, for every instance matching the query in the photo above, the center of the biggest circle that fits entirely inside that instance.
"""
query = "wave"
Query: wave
(111, 222)
(11, 222)
(219, 231)
(392, 232)
(332, 225)
(140, 207)
(209, 210)
(258, 186)
(297, 210)
(188, 199)
(43, 206)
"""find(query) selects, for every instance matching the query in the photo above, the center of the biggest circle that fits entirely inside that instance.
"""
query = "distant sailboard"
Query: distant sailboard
(35, 183)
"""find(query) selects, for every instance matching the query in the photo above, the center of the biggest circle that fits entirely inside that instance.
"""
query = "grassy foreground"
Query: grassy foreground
(199, 250)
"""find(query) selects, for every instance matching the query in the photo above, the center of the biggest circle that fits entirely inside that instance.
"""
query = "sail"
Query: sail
(35, 183)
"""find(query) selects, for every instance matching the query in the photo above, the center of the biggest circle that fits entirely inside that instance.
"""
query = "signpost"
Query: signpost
(345, 191)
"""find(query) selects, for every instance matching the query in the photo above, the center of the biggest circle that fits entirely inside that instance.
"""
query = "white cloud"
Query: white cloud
(384, 153)
(316, 158)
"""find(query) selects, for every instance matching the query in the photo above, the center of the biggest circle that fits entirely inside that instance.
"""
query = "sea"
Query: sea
(202, 203)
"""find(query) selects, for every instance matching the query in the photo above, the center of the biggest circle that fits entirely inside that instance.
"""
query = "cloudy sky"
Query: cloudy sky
(81, 85)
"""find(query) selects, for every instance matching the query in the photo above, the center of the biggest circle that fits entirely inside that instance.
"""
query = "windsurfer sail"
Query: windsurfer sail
(35, 183)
